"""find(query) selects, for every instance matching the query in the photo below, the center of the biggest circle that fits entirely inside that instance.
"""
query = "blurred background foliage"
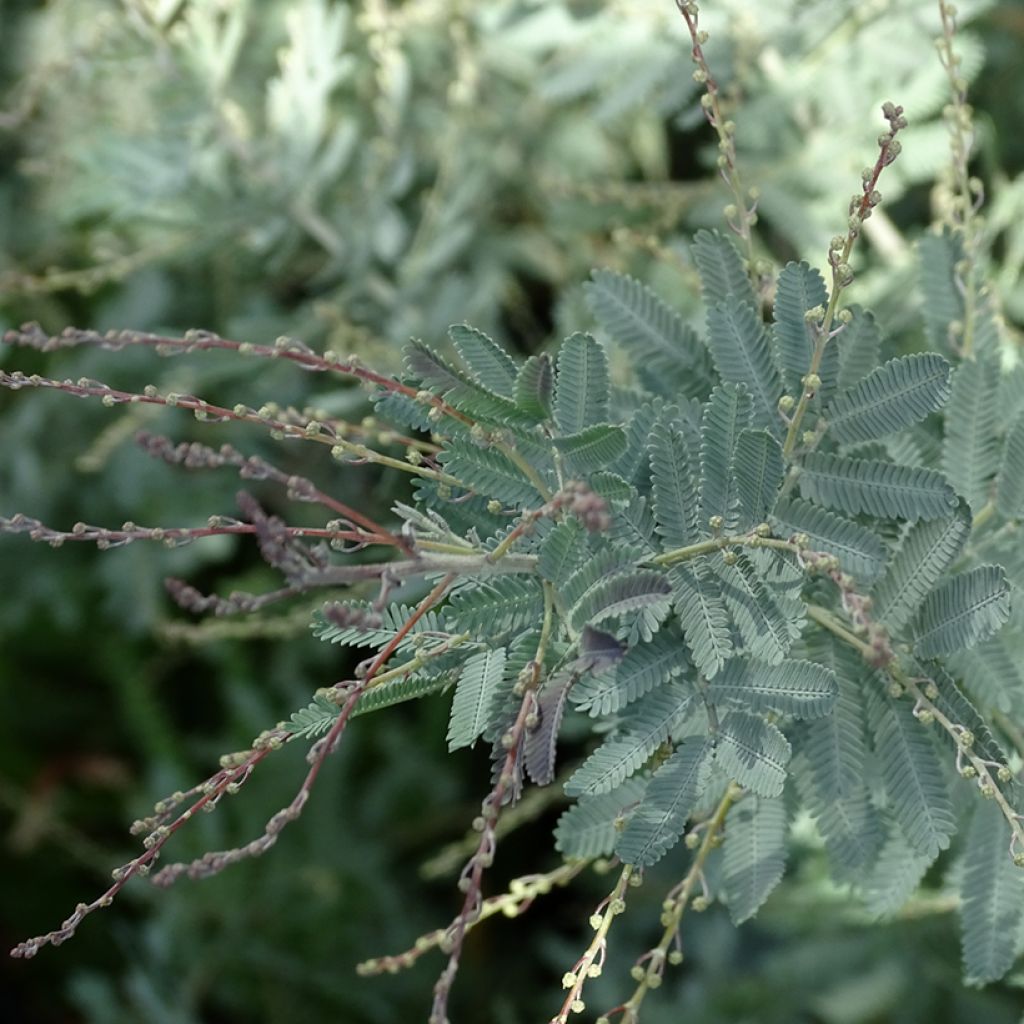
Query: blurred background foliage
(353, 174)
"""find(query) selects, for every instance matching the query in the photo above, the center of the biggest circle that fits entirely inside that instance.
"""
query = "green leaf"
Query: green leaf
(759, 467)
(970, 450)
(581, 391)
(861, 553)
(943, 301)
(489, 472)
(1010, 489)
(754, 856)
(927, 551)
(768, 623)
(383, 628)
(858, 345)
(508, 604)
(742, 353)
(674, 486)
(616, 595)
(593, 448)
(588, 828)
(535, 387)
(833, 764)
(894, 876)
(799, 289)
(963, 610)
(912, 775)
(726, 415)
(398, 691)
(314, 719)
(604, 562)
(562, 551)
(893, 397)
(658, 822)
(721, 269)
(992, 897)
(881, 489)
(625, 753)
(659, 342)
(991, 675)
(459, 389)
(643, 668)
(797, 689)
(753, 752)
(491, 366)
(479, 680)
(697, 597)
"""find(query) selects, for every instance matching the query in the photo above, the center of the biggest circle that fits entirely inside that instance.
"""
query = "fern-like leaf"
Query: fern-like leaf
(893, 397)
(798, 689)
(767, 624)
(589, 828)
(479, 680)
(860, 552)
(399, 691)
(742, 353)
(992, 898)
(508, 604)
(962, 611)
(643, 668)
(591, 449)
(755, 855)
(535, 387)
(943, 303)
(658, 822)
(660, 344)
(675, 489)
(799, 289)
(912, 775)
(581, 390)
(927, 551)
(759, 468)
(562, 551)
(491, 366)
(1010, 489)
(707, 626)
(970, 451)
(753, 752)
(858, 346)
(894, 876)
(876, 488)
(489, 472)
(619, 594)
(726, 415)
(624, 753)
(721, 269)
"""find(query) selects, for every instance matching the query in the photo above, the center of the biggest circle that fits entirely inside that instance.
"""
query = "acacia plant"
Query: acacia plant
(771, 571)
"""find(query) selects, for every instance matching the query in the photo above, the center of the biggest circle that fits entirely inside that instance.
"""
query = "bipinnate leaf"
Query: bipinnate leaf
(535, 386)
(643, 668)
(768, 622)
(754, 858)
(581, 388)
(658, 822)
(588, 828)
(860, 552)
(1010, 490)
(489, 472)
(895, 396)
(479, 679)
(759, 468)
(992, 898)
(660, 344)
(621, 593)
(722, 274)
(707, 626)
(797, 689)
(490, 365)
(739, 345)
(648, 726)
(562, 551)
(912, 775)
(962, 611)
(800, 288)
(943, 304)
(927, 551)
(508, 604)
(876, 488)
(674, 487)
(970, 449)
(858, 346)
(593, 448)
(753, 752)
(726, 414)
(541, 742)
